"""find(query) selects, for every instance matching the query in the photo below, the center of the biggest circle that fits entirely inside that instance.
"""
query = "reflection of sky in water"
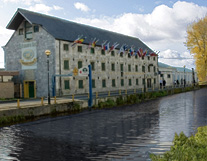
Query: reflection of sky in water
(121, 133)
(9, 143)
(183, 112)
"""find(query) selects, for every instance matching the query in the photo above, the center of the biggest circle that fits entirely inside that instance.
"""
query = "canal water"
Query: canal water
(116, 134)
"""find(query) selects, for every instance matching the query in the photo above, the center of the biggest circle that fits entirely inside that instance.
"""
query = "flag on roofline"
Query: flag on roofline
(131, 51)
(153, 54)
(121, 50)
(79, 40)
(94, 42)
(113, 46)
(103, 44)
(106, 46)
(140, 52)
(145, 52)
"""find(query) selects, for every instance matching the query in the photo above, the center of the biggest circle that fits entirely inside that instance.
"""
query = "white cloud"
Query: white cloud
(57, 7)
(40, 8)
(26, 2)
(81, 6)
(163, 29)
(4, 37)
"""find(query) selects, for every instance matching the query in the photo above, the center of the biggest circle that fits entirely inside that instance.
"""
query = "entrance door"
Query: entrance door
(149, 83)
(29, 89)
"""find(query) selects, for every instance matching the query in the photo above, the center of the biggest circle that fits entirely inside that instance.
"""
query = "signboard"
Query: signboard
(83, 71)
(29, 55)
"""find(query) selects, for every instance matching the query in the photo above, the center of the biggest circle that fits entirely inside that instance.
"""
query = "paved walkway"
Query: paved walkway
(31, 103)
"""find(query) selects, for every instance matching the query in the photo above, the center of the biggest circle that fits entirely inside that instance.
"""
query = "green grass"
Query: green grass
(184, 148)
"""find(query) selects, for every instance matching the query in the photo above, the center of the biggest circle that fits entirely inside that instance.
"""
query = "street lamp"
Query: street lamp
(184, 76)
(47, 52)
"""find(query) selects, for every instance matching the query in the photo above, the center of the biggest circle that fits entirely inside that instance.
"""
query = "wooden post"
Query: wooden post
(126, 91)
(73, 97)
(120, 92)
(42, 101)
(55, 100)
(18, 103)
(109, 93)
(96, 94)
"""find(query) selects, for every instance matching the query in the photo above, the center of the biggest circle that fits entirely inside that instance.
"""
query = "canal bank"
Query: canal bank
(27, 113)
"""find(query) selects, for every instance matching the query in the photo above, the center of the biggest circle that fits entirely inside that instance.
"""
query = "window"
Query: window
(92, 66)
(113, 67)
(28, 30)
(66, 64)
(154, 80)
(143, 81)
(136, 68)
(129, 68)
(154, 69)
(121, 54)
(80, 49)
(122, 82)
(103, 52)
(65, 47)
(143, 68)
(93, 83)
(148, 58)
(130, 82)
(142, 57)
(136, 57)
(67, 84)
(103, 83)
(92, 50)
(148, 68)
(154, 58)
(36, 28)
(122, 67)
(168, 76)
(79, 64)
(113, 83)
(137, 82)
(80, 84)
(20, 31)
(103, 66)
(161, 75)
(129, 55)
(112, 53)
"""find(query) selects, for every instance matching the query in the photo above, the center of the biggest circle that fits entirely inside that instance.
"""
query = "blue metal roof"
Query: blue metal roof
(66, 30)
(179, 69)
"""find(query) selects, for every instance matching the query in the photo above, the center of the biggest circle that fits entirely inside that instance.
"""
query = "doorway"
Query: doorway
(149, 85)
(29, 89)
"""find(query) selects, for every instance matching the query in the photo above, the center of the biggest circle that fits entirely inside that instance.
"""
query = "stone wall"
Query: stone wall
(6, 90)
(13, 54)
(86, 57)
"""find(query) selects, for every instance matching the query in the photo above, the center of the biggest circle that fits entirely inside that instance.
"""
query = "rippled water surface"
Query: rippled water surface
(118, 134)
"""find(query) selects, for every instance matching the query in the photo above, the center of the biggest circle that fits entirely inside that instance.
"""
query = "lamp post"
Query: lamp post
(184, 76)
(47, 52)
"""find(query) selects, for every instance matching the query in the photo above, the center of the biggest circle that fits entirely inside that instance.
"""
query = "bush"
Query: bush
(193, 148)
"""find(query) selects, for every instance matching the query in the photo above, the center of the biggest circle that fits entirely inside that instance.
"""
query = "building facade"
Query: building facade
(112, 68)
(179, 74)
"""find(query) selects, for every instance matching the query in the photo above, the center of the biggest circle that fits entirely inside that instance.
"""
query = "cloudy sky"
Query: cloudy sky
(160, 24)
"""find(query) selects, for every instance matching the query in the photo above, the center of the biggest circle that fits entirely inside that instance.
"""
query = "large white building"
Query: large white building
(111, 70)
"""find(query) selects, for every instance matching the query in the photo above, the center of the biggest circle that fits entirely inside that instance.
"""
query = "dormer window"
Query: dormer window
(28, 30)
(21, 31)
(36, 28)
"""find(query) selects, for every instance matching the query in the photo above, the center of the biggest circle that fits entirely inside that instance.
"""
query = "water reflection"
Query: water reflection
(121, 133)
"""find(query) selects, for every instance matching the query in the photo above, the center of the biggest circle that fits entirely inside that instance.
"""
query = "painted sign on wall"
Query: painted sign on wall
(29, 55)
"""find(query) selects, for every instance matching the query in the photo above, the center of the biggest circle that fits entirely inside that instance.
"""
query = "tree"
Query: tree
(197, 45)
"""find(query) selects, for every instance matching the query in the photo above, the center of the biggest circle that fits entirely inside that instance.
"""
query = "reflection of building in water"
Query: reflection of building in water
(118, 61)
(171, 74)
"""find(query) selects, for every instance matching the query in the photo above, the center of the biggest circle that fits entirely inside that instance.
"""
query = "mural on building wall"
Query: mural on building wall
(29, 55)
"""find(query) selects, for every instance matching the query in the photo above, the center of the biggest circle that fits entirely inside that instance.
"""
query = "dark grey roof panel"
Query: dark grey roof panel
(69, 31)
